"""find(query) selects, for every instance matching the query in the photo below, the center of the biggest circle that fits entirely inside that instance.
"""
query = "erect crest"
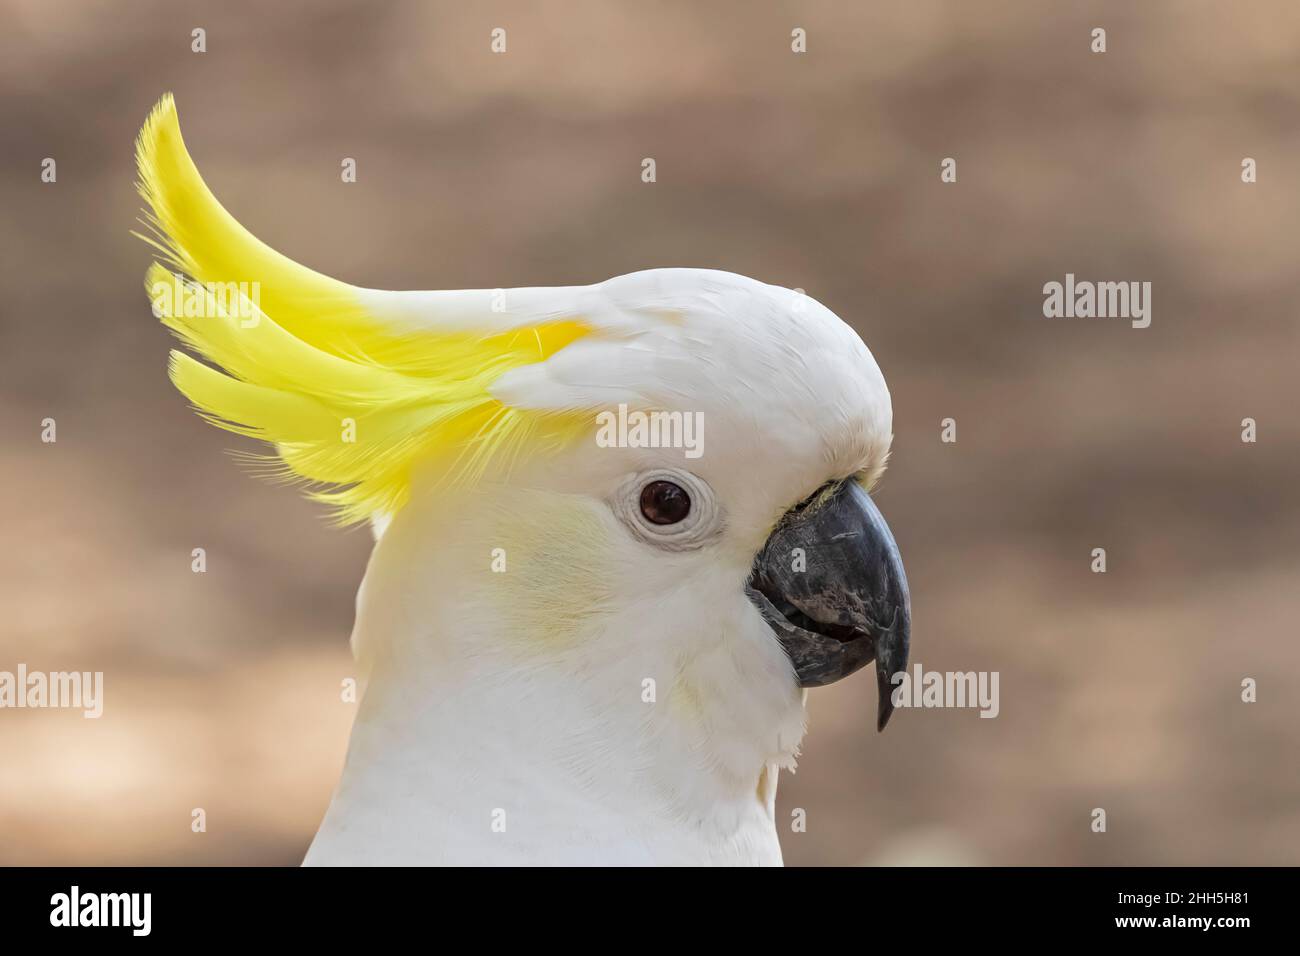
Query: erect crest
(351, 400)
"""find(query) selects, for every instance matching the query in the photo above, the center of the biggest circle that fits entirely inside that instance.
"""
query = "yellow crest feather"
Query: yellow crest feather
(352, 404)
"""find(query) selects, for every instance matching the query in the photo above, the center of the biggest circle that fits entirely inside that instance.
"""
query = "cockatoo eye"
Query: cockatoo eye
(663, 502)
(669, 508)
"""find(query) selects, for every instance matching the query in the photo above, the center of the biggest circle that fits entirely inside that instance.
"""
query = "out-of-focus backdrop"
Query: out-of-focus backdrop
(818, 170)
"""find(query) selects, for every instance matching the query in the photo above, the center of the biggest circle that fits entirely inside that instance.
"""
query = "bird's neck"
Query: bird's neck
(494, 728)
(528, 772)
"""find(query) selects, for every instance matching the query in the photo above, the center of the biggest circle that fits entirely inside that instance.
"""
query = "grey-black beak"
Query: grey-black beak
(830, 583)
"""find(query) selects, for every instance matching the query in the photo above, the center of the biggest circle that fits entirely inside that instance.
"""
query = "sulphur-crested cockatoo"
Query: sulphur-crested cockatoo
(620, 528)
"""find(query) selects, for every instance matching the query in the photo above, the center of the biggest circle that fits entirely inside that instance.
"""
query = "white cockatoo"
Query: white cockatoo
(619, 529)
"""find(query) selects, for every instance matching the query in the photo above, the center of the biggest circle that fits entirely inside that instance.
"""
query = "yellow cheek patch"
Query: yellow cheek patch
(558, 588)
(685, 702)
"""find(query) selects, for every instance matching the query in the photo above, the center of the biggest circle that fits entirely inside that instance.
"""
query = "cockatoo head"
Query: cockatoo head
(634, 516)
(773, 422)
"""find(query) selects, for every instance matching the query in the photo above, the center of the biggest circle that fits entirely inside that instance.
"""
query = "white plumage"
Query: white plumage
(516, 697)
(556, 671)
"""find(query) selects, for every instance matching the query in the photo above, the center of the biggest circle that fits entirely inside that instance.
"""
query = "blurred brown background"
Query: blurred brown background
(819, 171)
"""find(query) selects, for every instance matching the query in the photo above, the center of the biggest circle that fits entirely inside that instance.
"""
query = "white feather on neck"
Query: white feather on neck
(517, 697)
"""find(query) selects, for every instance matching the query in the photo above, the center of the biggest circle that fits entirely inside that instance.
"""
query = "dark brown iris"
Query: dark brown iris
(663, 502)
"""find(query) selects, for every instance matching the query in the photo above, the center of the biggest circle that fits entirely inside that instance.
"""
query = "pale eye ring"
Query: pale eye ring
(669, 508)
